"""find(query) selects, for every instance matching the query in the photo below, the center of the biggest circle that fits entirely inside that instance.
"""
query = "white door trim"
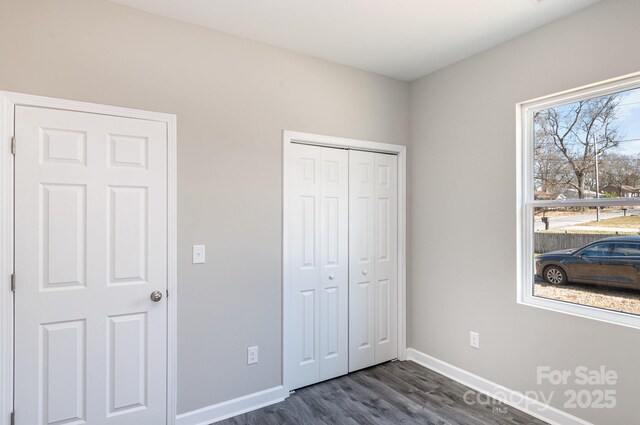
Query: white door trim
(291, 137)
(8, 101)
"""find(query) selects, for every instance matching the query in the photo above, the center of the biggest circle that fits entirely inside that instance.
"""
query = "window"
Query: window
(579, 202)
(598, 250)
(627, 250)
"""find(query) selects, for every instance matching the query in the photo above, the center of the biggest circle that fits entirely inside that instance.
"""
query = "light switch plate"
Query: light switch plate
(198, 254)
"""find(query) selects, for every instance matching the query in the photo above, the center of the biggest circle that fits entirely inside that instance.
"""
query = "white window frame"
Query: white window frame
(526, 203)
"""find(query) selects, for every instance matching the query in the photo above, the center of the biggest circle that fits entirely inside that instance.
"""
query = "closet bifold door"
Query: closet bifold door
(373, 263)
(318, 261)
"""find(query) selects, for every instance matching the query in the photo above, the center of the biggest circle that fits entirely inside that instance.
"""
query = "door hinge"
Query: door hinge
(13, 282)
(13, 418)
(13, 145)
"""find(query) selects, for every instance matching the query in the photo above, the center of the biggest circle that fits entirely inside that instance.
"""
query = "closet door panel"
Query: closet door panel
(334, 261)
(304, 265)
(317, 228)
(386, 257)
(373, 268)
(361, 260)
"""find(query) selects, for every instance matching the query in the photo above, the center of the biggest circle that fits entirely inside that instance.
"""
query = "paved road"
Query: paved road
(572, 220)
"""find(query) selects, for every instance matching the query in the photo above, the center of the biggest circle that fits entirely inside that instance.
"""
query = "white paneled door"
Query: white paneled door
(373, 258)
(341, 299)
(317, 244)
(90, 250)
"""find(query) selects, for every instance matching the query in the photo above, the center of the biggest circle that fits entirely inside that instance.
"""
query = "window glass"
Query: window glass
(598, 250)
(588, 149)
(627, 249)
(581, 194)
(596, 277)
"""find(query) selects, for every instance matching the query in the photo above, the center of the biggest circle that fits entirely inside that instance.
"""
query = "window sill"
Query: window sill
(594, 313)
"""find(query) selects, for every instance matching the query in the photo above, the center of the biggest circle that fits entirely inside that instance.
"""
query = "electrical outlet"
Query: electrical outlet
(474, 339)
(252, 355)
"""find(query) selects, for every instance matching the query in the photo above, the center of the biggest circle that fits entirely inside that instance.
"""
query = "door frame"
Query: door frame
(293, 137)
(8, 102)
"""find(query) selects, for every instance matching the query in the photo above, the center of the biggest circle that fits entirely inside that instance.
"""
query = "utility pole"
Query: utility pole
(595, 146)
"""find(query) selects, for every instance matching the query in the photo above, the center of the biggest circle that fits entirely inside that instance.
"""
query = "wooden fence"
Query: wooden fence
(547, 242)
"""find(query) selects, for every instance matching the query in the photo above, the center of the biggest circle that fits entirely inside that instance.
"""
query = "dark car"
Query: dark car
(613, 261)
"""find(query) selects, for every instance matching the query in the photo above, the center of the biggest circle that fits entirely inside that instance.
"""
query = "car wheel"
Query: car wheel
(555, 275)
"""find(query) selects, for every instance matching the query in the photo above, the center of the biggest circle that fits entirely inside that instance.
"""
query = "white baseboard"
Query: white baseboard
(230, 408)
(247, 403)
(509, 397)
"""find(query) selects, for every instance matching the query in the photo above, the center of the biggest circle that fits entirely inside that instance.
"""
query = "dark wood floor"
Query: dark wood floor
(392, 393)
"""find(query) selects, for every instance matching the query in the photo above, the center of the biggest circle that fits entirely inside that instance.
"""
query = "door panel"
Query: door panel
(90, 247)
(332, 331)
(383, 322)
(127, 363)
(623, 267)
(588, 270)
(334, 261)
(63, 243)
(308, 326)
(373, 224)
(364, 315)
(318, 264)
(63, 372)
(304, 228)
(386, 258)
(620, 272)
(128, 230)
(361, 260)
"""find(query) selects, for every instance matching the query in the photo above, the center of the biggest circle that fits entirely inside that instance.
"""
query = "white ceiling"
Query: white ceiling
(405, 39)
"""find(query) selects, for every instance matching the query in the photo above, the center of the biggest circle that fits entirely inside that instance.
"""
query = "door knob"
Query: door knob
(156, 296)
(364, 272)
(331, 277)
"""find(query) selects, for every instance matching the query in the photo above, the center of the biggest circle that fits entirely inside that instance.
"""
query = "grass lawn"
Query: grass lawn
(630, 221)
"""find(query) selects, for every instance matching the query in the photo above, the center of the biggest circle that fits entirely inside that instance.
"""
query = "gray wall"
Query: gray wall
(233, 98)
(463, 216)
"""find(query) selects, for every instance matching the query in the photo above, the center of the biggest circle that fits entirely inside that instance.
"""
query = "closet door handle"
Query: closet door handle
(364, 272)
(331, 277)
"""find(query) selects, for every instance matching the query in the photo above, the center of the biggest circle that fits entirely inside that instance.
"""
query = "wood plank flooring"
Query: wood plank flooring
(398, 393)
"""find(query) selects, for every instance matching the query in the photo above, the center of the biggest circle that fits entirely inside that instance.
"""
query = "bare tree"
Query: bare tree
(620, 170)
(580, 132)
(551, 171)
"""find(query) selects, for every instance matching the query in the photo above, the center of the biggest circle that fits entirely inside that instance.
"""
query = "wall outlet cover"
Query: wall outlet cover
(252, 355)
(474, 339)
